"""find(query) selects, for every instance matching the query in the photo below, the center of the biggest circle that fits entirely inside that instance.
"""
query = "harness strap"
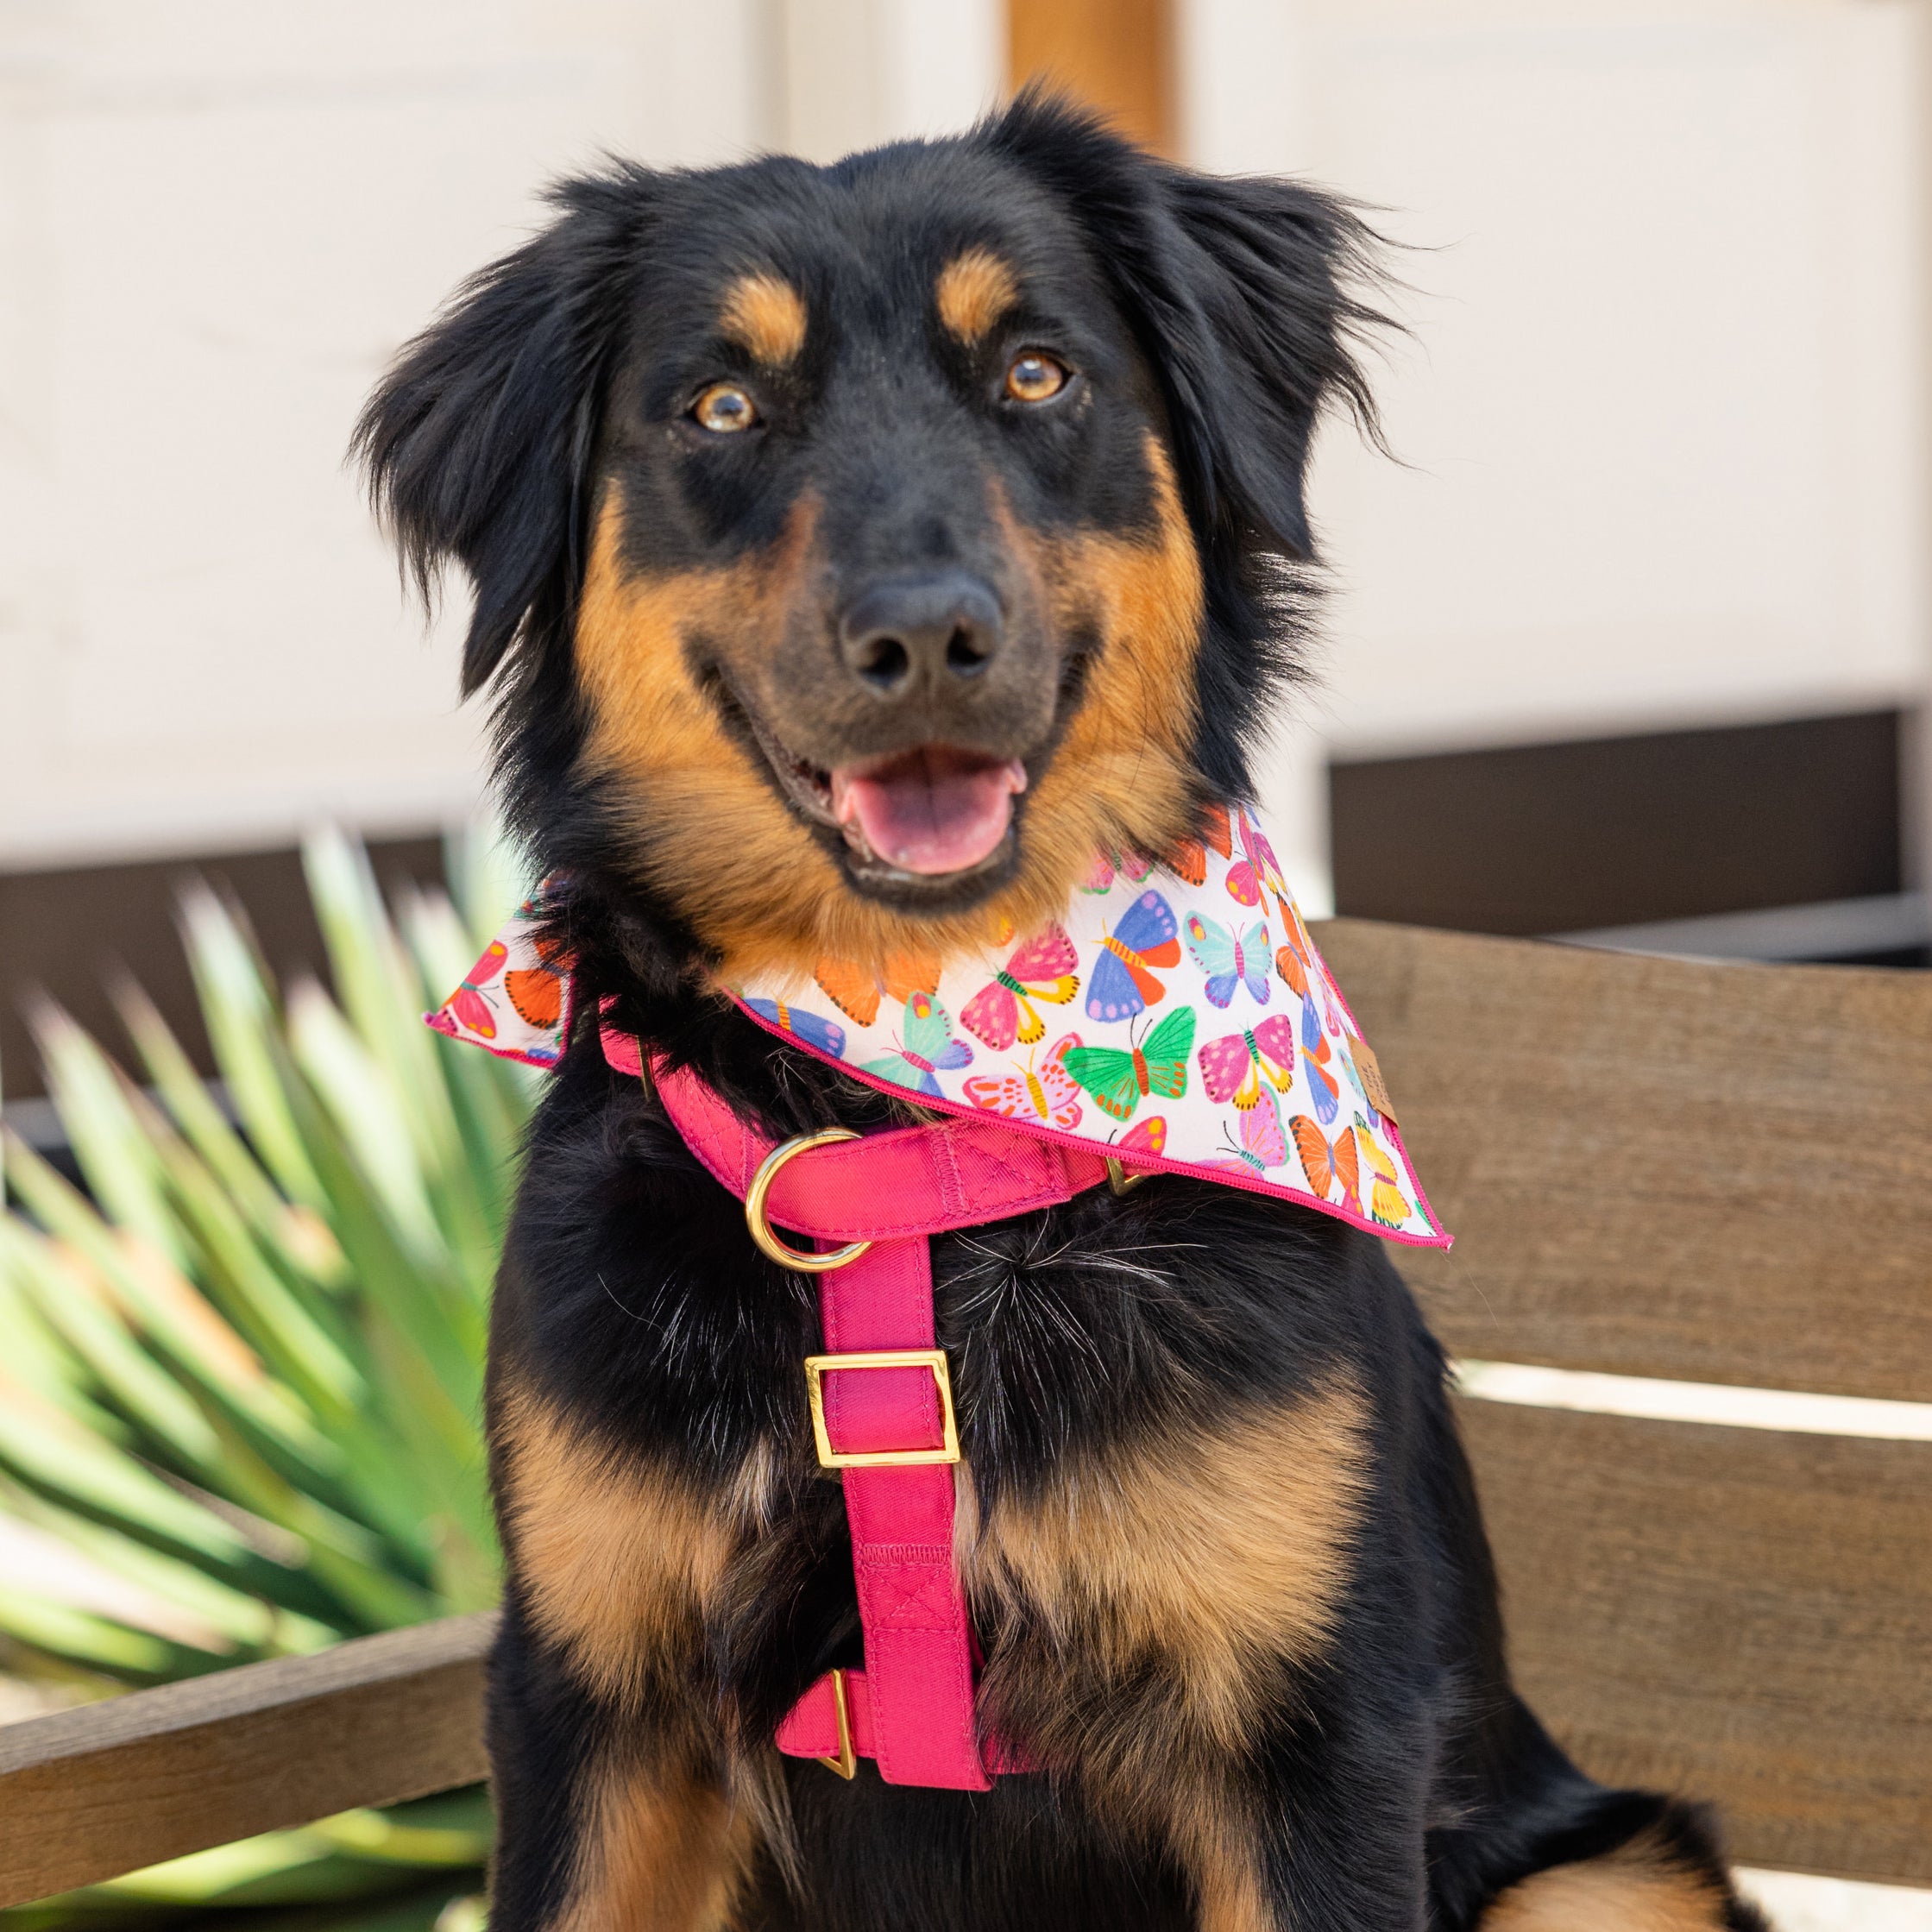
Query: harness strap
(913, 1706)
(911, 1604)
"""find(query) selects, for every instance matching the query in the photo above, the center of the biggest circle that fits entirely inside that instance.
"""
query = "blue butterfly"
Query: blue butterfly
(1315, 1055)
(1229, 959)
(1121, 986)
(928, 1048)
(827, 1035)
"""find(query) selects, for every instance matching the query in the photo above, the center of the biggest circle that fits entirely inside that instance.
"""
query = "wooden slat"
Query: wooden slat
(1732, 1613)
(1660, 1167)
(91, 1793)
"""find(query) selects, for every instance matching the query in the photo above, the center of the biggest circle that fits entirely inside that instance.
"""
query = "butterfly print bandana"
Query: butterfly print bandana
(1178, 1017)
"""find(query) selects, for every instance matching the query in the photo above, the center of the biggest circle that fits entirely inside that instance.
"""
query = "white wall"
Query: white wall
(852, 74)
(1662, 421)
(218, 220)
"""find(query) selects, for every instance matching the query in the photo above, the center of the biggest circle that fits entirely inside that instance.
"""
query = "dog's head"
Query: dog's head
(865, 548)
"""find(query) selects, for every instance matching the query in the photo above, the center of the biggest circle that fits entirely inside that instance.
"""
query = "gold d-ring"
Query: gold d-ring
(847, 1763)
(755, 1218)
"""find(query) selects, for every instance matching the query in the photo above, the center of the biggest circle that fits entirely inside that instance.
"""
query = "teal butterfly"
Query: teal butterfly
(1119, 1079)
(1230, 959)
(928, 1047)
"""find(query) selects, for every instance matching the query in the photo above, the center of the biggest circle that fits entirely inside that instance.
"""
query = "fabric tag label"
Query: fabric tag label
(1370, 1068)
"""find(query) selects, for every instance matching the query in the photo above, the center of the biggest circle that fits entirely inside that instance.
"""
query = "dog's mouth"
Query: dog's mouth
(933, 813)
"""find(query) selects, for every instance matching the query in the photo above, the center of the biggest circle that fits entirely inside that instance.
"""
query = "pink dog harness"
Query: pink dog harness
(881, 1399)
(881, 1396)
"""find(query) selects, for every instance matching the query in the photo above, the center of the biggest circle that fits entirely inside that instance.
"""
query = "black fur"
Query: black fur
(1396, 1783)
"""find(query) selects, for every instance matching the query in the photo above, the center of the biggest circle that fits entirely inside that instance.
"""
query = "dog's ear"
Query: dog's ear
(1250, 298)
(479, 441)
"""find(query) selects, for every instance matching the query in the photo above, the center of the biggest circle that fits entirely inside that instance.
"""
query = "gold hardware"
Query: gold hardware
(1119, 1181)
(847, 1763)
(817, 1365)
(755, 1218)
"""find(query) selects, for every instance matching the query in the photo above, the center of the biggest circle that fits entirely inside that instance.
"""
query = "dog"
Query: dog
(856, 552)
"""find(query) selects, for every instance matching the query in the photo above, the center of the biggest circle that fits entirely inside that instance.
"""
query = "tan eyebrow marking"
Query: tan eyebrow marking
(766, 315)
(974, 289)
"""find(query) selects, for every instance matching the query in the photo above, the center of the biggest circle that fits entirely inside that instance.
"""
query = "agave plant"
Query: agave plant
(240, 1392)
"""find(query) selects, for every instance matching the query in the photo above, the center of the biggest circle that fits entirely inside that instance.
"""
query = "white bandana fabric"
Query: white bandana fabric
(1178, 1017)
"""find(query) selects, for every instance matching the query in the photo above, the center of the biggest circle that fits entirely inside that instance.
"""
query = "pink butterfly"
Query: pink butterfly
(1048, 1097)
(1232, 1065)
(1256, 867)
(1263, 1145)
(472, 1006)
(1100, 874)
(1043, 969)
(1145, 1136)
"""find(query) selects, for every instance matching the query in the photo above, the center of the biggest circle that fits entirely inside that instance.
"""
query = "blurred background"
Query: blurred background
(1631, 641)
(1635, 633)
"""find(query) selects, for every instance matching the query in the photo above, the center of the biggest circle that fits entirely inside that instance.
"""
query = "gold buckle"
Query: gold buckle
(755, 1218)
(1119, 1181)
(847, 1763)
(935, 1359)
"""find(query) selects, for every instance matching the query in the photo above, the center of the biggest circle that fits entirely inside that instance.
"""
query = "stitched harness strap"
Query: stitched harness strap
(912, 1707)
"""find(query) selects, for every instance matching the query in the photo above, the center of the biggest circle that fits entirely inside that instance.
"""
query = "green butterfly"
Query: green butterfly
(1118, 1080)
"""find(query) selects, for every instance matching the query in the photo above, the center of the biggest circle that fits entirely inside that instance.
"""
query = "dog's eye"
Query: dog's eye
(1035, 375)
(724, 408)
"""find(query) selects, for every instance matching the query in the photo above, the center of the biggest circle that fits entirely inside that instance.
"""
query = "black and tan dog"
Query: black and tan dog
(856, 551)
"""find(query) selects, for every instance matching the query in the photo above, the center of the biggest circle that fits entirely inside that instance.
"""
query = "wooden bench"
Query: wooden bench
(1705, 1174)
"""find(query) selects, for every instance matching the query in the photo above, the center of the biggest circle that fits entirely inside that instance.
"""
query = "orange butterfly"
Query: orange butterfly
(1189, 856)
(537, 992)
(1325, 1165)
(1297, 961)
(1288, 964)
(856, 991)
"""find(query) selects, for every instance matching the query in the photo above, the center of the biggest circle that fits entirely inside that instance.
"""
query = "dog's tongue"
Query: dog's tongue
(932, 810)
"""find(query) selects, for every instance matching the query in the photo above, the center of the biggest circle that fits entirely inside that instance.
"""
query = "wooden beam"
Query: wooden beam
(1114, 55)
(89, 1793)
(1658, 1166)
(1740, 1615)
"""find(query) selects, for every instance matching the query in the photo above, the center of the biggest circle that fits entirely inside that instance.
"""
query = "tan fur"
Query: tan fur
(974, 290)
(758, 1492)
(1122, 773)
(1140, 1613)
(1208, 1555)
(765, 315)
(1227, 1885)
(656, 1854)
(619, 1557)
(1634, 1889)
(711, 834)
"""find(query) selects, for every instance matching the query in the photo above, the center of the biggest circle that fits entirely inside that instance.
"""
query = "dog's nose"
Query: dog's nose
(925, 631)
